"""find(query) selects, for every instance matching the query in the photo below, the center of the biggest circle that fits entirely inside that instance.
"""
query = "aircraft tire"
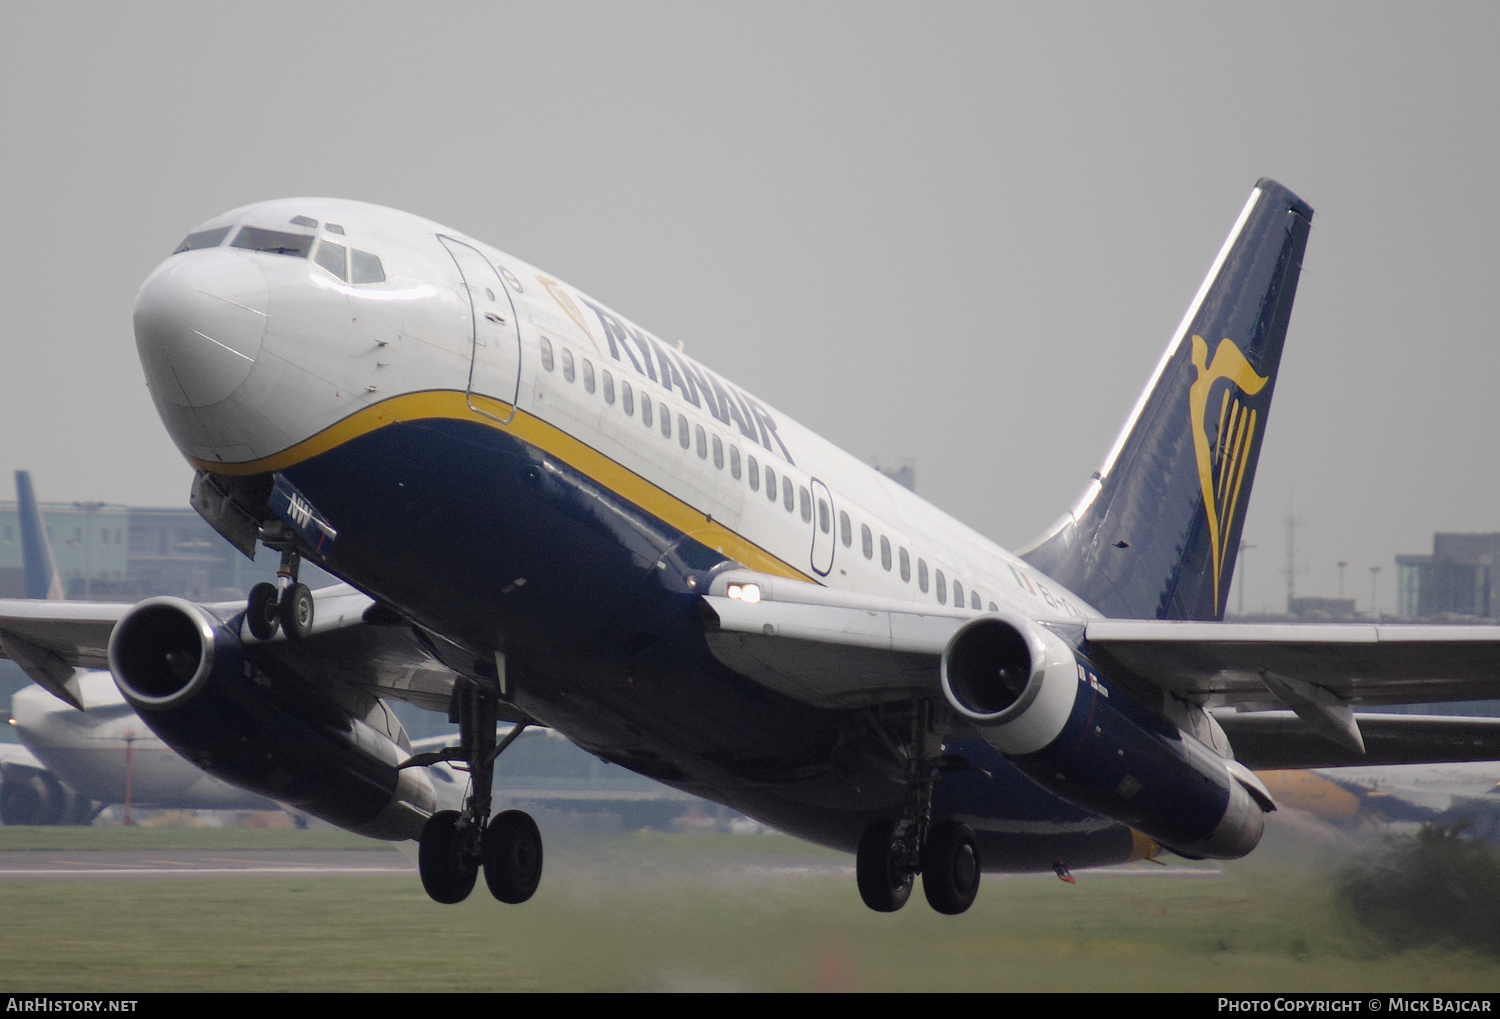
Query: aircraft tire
(296, 612)
(446, 876)
(950, 867)
(21, 803)
(512, 856)
(260, 611)
(883, 884)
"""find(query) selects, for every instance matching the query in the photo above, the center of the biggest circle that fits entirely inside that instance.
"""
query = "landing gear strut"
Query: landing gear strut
(892, 853)
(287, 604)
(455, 844)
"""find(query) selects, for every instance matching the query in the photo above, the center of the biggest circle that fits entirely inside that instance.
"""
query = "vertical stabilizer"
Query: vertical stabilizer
(42, 578)
(1156, 532)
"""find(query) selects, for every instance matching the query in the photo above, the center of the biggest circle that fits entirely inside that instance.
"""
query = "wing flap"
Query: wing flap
(1226, 663)
(1279, 739)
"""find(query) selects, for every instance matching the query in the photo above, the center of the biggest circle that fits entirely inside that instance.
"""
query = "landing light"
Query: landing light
(748, 593)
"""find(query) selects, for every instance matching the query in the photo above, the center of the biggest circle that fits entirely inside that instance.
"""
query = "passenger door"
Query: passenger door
(495, 367)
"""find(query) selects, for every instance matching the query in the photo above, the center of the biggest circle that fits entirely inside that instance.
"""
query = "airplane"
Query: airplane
(544, 514)
(1465, 796)
(74, 763)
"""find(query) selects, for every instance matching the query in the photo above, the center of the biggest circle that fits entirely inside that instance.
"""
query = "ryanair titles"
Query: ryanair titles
(700, 387)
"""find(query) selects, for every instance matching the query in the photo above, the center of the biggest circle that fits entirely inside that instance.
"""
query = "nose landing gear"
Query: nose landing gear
(455, 844)
(286, 604)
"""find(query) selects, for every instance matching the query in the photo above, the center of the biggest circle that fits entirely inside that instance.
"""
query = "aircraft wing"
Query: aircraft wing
(52, 640)
(834, 649)
(1243, 664)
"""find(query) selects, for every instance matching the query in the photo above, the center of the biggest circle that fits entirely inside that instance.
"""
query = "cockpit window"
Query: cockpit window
(365, 267)
(203, 239)
(276, 241)
(333, 228)
(331, 257)
(304, 221)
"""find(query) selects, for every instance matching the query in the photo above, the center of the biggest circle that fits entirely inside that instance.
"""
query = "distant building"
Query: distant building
(109, 552)
(1457, 579)
(1312, 608)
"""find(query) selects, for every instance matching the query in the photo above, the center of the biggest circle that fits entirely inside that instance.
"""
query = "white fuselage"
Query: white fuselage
(281, 354)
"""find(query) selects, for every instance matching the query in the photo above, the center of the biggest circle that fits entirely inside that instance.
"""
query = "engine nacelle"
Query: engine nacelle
(262, 728)
(1048, 710)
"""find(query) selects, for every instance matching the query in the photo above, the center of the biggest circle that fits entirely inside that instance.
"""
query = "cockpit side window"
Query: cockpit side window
(365, 267)
(203, 239)
(276, 241)
(331, 256)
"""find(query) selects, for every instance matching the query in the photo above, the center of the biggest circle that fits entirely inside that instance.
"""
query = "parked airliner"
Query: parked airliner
(545, 514)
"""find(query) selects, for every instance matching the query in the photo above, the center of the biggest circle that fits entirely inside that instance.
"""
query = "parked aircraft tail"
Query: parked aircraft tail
(42, 578)
(1156, 532)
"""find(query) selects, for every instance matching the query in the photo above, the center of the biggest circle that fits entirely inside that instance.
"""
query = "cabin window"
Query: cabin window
(770, 483)
(203, 239)
(546, 353)
(686, 440)
(567, 360)
(752, 471)
(866, 541)
(885, 553)
(942, 588)
(365, 267)
(332, 257)
(825, 517)
(958, 595)
(645, 410)
(804, 502)
(278, 242)
(922, 575)
(627, 400)
(846, 529)
(905, 561)
(734, 465)
(588, 376)
(788, 497)
(719, 454)
(609, 386)
(665, 417)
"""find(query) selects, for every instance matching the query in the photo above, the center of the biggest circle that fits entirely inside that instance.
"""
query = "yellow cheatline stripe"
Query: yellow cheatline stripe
(454, 405)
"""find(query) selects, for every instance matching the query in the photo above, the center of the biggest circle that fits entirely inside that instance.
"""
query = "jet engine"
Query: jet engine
(33, 796)
(332, 753)
(1049, 711)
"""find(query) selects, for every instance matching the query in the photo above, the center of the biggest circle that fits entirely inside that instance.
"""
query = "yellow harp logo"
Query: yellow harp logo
(1222, 443)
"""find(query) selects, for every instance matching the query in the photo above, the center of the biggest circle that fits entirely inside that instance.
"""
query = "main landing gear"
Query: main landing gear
(286, 604)
(456, 843)
(891, 853)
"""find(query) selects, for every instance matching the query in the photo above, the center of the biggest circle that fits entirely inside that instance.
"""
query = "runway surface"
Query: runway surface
(170, 864)
(166, 864)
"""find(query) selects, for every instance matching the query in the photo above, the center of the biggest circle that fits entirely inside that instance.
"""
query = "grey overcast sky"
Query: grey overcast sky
(960, 232)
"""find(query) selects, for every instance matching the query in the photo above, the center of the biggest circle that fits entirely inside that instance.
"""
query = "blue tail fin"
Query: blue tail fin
(1156, 532)
(42, 578)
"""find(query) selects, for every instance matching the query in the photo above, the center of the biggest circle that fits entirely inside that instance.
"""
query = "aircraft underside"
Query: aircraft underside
(489, 541)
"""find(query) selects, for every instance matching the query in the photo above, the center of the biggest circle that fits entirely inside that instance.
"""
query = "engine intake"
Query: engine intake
(1044, 705)
(327, 749)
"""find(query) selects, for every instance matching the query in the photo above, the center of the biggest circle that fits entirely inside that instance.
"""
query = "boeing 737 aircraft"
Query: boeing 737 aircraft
(545, 514)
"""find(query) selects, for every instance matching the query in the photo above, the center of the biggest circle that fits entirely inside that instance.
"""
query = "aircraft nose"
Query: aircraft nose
(199, 322)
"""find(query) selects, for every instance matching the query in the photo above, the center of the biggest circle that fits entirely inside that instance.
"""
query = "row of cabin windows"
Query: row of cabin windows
(795, 498)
